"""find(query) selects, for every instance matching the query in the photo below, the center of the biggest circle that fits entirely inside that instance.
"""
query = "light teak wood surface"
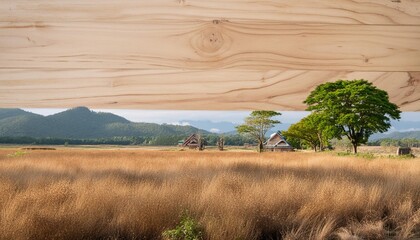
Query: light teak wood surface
(187, 89)
(380, 12)
(203, 54)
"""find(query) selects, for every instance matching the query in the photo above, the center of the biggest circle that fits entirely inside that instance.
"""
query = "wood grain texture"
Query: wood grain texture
(381, 12)
(196, 54)
(210, 45)
(177, 89)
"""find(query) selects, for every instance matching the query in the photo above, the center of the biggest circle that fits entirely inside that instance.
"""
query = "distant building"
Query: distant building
(194, 141)
(277, 143)
(403, 151)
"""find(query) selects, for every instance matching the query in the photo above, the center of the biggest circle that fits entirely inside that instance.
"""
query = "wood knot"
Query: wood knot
(210, 41)
(217, 21)
(365, 59)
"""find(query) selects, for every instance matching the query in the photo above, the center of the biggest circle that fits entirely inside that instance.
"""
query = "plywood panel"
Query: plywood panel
(401, 12)
(178, 89)
(210, 45)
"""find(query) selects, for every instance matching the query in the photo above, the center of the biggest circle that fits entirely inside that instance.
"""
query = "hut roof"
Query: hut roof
(192, 140)
(277, 140)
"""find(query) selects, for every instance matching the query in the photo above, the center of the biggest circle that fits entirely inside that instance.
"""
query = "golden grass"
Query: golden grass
(137, 194)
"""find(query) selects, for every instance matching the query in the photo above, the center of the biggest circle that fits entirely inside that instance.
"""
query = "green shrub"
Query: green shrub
(402, 157)
(362, 155)
(187, 229)
(344, 154)
(18, 153)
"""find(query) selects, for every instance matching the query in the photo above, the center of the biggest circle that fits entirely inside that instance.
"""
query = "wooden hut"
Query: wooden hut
(194, 141)
(403, 151)
(277, 143)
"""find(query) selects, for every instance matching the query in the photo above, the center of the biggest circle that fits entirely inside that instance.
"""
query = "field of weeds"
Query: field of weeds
(139, 194)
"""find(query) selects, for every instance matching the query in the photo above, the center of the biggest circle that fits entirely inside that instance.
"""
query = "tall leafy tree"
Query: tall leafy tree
(302, 131)
(257, 125)
(356, 108)
(313, 130)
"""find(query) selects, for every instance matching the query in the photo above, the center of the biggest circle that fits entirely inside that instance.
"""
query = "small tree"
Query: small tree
(304, 132)
(312, 130)
(357, 109)
(257, 125)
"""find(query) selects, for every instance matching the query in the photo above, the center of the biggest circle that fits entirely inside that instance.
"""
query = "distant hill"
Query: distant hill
(396, 135)
(14, 112)
(81, 123)
(405, 126)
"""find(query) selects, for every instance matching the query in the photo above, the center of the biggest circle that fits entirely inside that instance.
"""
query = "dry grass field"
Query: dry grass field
(138, 194)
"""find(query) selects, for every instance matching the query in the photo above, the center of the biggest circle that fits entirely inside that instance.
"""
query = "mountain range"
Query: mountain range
(82, 123)
(396, 135)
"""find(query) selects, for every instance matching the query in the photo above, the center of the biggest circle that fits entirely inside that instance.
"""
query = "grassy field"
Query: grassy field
(138, 194)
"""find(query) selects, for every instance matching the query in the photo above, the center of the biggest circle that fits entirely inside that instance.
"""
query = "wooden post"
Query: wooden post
(220, 143)
(200, 143)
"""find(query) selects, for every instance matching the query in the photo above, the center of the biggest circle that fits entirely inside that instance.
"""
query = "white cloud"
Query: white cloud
(215, 130)
(409, 130)
(180, 123)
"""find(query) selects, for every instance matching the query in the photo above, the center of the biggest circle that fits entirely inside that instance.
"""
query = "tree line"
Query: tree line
(391, 142)
(343, 109)
(172, 140)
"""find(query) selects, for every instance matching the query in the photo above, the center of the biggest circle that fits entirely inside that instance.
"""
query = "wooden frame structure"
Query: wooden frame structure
(277, 143)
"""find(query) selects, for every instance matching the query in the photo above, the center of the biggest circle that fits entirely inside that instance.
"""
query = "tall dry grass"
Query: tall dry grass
(135, 194)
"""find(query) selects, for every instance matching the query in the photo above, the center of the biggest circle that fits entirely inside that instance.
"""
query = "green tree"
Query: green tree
(304, 132)
(294, 141)
(313, 130)
(408, 142)
(389, 142)
(356, 108)
(257, 125)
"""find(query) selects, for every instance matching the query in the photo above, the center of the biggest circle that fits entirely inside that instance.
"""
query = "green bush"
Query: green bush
(187, 229)
(18, 153)
(362, 155)
(402, 157)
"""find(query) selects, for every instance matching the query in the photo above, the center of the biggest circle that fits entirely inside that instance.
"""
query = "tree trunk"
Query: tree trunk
(260, 146)
(321, 145)
(355, 147)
